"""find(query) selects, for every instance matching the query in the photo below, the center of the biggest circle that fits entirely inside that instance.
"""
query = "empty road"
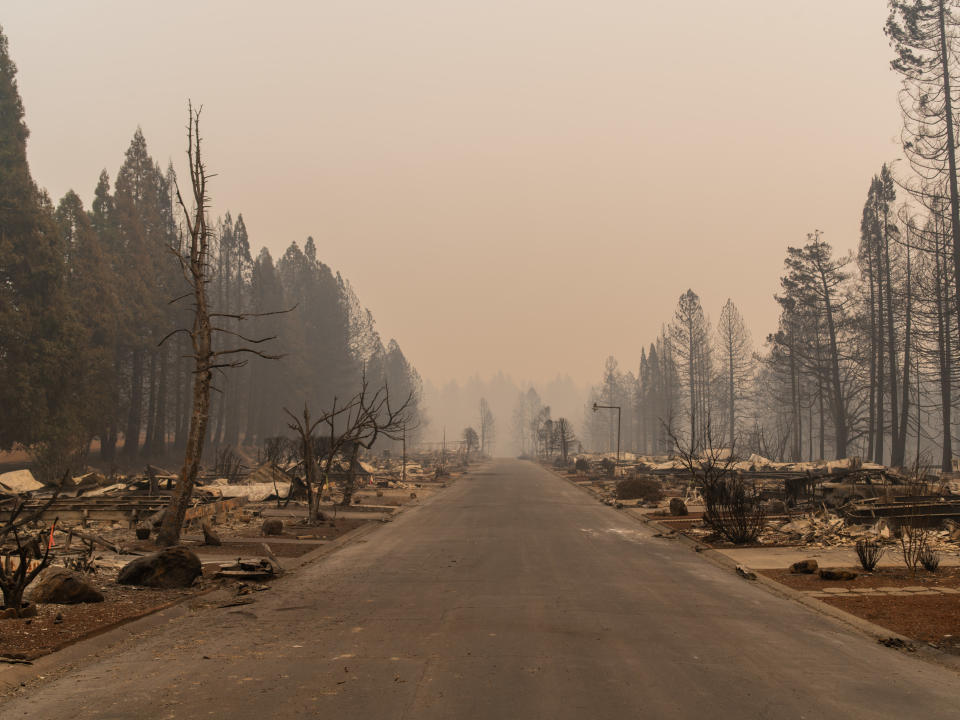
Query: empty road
(508, 595)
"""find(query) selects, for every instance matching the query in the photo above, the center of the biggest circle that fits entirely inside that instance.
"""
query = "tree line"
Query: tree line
(89, 356)
(861, 362)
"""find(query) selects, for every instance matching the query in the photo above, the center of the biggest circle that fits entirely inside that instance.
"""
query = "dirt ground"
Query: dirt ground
(881, 577)
(29, 638)
(932, 619)
(330, 530)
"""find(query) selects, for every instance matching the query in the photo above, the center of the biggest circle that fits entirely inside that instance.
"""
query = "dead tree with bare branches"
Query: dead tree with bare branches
(193, 253)
(27, 546)
(310, 451)
(732, 507)
(374, 416)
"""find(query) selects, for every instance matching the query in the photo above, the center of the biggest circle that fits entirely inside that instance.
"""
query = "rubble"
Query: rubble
(19, 482)
(251, 569)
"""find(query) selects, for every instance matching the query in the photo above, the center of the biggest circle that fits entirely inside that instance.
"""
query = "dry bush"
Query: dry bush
(930, 559)
(639, 487)
(914, 539)
(733, 509)
(869, 553)
(227, 464)
(914, 529)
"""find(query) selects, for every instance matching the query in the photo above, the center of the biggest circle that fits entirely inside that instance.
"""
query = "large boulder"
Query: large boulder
(62, 587)
(173, 567)
(805, 567)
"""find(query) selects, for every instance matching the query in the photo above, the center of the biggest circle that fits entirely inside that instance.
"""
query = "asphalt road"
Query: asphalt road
(505, 596)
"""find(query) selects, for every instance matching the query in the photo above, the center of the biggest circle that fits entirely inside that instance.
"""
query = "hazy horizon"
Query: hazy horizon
(507, 187)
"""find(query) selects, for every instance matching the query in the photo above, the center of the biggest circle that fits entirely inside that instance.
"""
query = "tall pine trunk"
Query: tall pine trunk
(131, 436)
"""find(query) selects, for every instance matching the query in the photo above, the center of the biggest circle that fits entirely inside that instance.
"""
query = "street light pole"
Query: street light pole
(617, 408)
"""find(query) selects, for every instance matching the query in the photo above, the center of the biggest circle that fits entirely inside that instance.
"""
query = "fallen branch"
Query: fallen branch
(95, 539)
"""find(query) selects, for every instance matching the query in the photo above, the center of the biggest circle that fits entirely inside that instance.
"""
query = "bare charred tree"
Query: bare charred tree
(690, 340)
(471, 441)
(309, 451)
(733, 508)
(486, 427)
(373, 415)
(565, 437)
(923, 34)
(27, 546)
(734, 341)
(193, 253)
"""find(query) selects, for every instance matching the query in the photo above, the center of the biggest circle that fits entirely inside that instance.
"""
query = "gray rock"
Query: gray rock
(173, 567)
(272, 526)
(805, 567)
(62, 587)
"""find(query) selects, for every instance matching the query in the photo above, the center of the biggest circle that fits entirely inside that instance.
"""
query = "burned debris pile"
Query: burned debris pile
(828, 504)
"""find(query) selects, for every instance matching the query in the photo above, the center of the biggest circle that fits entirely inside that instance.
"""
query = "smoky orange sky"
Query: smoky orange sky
(525, 185)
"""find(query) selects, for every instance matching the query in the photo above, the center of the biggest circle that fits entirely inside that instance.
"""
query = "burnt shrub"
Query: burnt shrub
(930, 559)
(869, 553)
(607, 465)
(733, 509)
(639, 487)
(581, 465)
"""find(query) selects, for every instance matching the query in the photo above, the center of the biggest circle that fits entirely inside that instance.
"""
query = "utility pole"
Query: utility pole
(403, 472)
(617, 408)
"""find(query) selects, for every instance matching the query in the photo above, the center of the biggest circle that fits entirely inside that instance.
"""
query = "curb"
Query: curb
(864, 627)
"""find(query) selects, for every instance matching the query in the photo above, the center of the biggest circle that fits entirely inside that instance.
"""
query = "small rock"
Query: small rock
(678, 507)
(746, 573)
(828, 574)
(805, 567)
(272, 526)
(173, 567)
(58, 619)
(28, 610)
(62, 587)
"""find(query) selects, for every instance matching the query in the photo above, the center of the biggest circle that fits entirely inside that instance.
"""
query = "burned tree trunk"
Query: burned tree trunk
(195, 265)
